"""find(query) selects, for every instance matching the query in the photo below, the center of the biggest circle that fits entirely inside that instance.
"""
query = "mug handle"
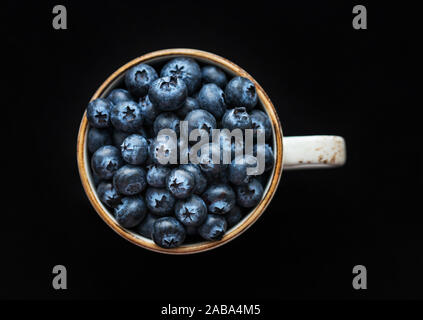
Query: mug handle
(310, 152)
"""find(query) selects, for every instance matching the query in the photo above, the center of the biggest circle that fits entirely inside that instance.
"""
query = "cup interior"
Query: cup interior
(157, 59)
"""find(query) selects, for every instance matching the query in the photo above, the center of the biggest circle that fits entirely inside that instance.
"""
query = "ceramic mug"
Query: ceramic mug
(290, 152)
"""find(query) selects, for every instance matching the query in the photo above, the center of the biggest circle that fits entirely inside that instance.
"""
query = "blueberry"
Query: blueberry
(159, 201)
(180, 183)
(126, 116)
(105, 161)
(234, 216)
(250, 194)
(119, 95)
(157, 175)
(97, 138)
(260, 120)
(212, 74)
(139, 78)
(145, 228)
(183, 151)
(108, 194)
(119, 137)
(236, 118)
(150, 142)
(189, 105)
(211, 98)
(241, 92)
(219, 198)
(206, 162)
(224, 142)
(269, 158)
(134, 149)
(168, 93)
(191, 211)
(263, 179)
(200, 119)
(148, 110)
(213, 228)
(186, 69)
(162, 150)
(168, 232)
(98, 113)
(166, 120)
(131, 211)
(129, 180)
(238, 169)
(199, 177)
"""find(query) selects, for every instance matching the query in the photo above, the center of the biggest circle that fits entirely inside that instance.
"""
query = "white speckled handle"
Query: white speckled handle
(309, 152)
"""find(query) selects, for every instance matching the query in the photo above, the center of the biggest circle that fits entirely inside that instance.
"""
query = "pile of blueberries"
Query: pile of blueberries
(172, 204)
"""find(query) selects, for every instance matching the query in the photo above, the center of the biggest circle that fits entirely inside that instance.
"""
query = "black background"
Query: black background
(323, 76)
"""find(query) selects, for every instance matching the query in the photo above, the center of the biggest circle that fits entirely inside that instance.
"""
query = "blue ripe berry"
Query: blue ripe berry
(238, 169)
(260, 120)
(241, 92)
(106, 161)
(98, 113)
(168, 93)
(212, 99)
(219, 198)
(199, 177)
(186, 69)
(213, 228)
(129, 180)
(189, 105)
(168, 232)
(126, 116)
(145, 228)
(163, 151)
(131, 211)
(108, 194)
(212, 74)
(206, 162)
(237, 149)
(191, 211)
(180, 183)
(250, 194)
(166, 120)
(268, 155)
(134, 149)
(159, 201)
(157, 175)
(200, 119)
(236, 118)
(119, 95)
(139, 78)
(233, 217)
(148, 110)
(97, 138)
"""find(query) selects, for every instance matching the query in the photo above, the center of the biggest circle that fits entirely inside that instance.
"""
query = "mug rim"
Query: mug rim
(248, 220)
